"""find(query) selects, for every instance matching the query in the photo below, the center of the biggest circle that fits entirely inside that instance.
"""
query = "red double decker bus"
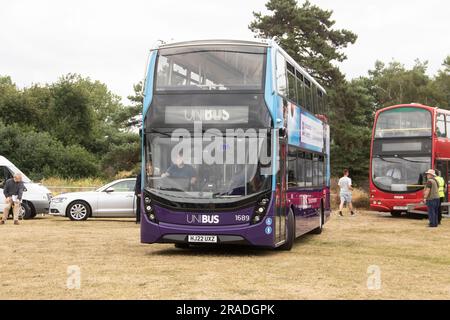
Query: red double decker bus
(407, 140)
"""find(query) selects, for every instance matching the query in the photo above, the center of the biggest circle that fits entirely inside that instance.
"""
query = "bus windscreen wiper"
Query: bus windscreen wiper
(211, 86)
(414, 161)
(171, 189)
(383, 159)
(160, 132)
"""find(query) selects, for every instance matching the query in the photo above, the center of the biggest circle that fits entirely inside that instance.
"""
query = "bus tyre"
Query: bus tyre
(290, 232)
(78, 211)
(396, 214)
(182, 245)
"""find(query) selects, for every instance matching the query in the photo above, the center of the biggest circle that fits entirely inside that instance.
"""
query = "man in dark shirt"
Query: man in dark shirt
(179, 169)
(431, 198)
(13, 192)
(137, 193)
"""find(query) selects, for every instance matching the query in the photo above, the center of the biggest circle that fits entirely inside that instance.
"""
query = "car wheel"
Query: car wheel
(25, 211)
(78, 211)
(290, 230)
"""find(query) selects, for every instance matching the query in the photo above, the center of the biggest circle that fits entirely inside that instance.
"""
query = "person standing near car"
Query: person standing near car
(441, 185)
(137, 193)
(431, 198)
(13, 192)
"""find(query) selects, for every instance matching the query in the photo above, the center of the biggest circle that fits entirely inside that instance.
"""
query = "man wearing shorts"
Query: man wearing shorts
(345, 186)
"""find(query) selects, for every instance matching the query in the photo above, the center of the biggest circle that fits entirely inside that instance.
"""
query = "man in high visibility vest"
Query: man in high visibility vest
(441, 184)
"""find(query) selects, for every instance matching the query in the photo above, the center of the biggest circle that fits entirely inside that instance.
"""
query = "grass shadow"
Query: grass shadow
(228, 250)
(60, 219)
(222, 250)
(407, 216)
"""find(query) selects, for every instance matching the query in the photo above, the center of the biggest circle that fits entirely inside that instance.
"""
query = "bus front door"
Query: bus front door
(281, 194)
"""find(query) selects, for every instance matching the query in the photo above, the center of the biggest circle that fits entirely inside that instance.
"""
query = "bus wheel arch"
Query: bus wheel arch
(319, 229)
(290, 231)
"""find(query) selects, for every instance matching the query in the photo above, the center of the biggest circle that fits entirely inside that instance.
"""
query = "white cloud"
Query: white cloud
(109, 40)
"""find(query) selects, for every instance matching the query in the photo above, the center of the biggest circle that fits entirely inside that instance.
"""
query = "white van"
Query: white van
(36, 198)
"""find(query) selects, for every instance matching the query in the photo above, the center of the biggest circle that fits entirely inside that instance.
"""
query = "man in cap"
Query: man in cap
(431, 198)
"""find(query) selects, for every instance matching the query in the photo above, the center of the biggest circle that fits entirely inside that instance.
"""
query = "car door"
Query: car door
(117, 200)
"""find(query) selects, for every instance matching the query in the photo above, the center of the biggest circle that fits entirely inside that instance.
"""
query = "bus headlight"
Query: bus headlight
(261, 209)
(149, 210)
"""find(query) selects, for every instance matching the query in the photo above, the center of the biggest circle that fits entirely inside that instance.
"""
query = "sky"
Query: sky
(41, 40)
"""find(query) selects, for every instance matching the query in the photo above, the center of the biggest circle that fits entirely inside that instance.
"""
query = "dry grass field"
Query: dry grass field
(414, 262)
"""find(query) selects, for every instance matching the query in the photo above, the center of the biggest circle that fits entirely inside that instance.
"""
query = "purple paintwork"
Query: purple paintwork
(175, 223)
(305, 203)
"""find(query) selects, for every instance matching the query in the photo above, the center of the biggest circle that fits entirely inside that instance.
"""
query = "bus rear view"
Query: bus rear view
(215, 163)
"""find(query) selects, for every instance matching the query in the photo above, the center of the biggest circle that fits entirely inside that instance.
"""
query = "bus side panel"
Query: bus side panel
(306, 205)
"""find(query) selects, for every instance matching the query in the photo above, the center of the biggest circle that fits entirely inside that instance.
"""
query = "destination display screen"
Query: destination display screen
(402, 146)
(206, 114)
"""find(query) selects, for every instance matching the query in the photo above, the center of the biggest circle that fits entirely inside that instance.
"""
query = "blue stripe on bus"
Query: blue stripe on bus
(148, 97)
(272, 104)
(148, 94)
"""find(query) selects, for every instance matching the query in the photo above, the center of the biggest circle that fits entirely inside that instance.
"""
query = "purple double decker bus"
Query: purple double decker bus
(235, 146)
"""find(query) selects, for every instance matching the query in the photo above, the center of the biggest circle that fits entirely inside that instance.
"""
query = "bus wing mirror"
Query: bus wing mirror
(140, 132)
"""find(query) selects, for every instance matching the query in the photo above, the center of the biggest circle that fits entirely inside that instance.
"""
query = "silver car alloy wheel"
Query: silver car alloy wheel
(78, 211)
(21, 212)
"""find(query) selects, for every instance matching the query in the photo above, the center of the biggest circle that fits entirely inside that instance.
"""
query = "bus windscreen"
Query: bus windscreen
(210, 68)
(399, 174)
(403, 122)
(196, 172)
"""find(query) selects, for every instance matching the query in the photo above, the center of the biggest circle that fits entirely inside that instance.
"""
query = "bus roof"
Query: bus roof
(262, 43)
(409, 105)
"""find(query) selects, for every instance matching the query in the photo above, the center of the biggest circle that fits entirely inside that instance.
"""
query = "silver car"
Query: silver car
(116, 199)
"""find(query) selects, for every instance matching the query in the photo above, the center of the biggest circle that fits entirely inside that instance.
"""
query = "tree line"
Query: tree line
(72, 128)
(77, 127)
(307, 34)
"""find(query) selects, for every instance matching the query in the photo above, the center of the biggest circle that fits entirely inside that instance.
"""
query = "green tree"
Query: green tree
(394, 84)
(71, 118)
(40, 155)
(306, 33)
(351, 117)
(130, 116)
(441, 86)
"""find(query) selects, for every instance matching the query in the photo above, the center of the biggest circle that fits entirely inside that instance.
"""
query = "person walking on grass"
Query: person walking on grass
(431, 198)
(13, 191)
(345, 193)
(441, 185)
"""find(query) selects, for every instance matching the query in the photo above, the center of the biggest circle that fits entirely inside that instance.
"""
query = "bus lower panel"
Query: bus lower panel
(254, 235)
(223, 239)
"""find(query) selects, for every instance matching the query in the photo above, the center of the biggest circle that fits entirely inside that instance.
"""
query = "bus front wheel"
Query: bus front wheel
(290, 230)
(182, 245)
(396, 214)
